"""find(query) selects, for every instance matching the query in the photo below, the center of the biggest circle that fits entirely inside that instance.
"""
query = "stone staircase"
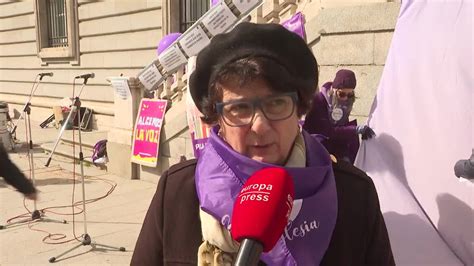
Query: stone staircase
(65, 155)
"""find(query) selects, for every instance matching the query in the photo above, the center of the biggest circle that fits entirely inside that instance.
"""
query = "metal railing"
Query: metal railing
(57, 23)
(190, 12)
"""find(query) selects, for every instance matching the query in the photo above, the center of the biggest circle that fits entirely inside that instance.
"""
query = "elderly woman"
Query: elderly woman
(253, 84)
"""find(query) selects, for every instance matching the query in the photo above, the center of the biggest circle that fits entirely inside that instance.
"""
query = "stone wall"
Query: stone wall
(355, 36)
(114, 37)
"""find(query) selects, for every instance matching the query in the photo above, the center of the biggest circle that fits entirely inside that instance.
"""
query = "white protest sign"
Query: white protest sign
(120, 85)
(245, 5)
(172, 58)
(194, 41)
(219, 19)
(150, 77)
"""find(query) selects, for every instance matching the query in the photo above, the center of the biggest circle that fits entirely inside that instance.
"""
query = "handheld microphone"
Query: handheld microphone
(86, 76)
(261, 213)
(41, 75)
(465, 168)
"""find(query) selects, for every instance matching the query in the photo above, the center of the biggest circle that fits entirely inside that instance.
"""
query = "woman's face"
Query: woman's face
(261, 140)
(344, 94)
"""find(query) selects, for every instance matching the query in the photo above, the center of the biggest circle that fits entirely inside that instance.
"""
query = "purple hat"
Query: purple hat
(344, 79)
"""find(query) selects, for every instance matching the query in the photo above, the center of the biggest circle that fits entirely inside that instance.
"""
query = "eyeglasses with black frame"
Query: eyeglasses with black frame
(238, 113)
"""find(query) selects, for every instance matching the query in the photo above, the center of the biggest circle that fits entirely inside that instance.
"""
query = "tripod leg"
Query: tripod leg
(17, 223)
(110, 247)
(86, 241)
(53, 259)
(52, 220)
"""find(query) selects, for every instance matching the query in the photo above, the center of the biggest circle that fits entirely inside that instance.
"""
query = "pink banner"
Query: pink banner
(146, 136)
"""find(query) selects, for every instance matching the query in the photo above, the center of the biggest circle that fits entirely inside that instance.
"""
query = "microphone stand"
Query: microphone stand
(32, 92)
(86, 239)
(36, 215)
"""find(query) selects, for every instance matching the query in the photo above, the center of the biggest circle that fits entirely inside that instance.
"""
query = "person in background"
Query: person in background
(14, 177)
(329, 116)
(253, 84)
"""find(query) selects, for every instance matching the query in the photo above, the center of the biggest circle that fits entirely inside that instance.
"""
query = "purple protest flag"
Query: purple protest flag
(296, 25)
(199, 131)
(423, 117)
(198, 144)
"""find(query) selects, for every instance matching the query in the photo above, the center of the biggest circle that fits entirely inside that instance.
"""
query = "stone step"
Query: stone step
(89, 138)
(66, 150)
(63, 156)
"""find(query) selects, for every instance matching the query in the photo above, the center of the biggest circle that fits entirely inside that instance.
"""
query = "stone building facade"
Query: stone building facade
(119, 37)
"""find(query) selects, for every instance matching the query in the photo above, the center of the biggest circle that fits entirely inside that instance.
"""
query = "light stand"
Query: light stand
(76, 108)
(36, 215)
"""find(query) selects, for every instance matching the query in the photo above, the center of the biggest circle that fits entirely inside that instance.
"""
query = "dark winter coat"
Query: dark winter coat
(12, 175)
(171, 232)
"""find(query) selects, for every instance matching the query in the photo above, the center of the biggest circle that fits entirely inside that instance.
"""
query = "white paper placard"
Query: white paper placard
(172, 58)
(120, 85)
(219, 19)
(150, 76)
(245, 5)
(194, 41)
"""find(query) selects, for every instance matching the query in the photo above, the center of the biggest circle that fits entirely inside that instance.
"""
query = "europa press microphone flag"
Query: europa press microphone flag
(261, 213)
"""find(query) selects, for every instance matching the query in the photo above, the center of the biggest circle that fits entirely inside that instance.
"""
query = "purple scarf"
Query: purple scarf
(221, 173)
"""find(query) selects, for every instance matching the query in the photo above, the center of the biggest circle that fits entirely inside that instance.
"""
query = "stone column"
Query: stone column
(119, 144)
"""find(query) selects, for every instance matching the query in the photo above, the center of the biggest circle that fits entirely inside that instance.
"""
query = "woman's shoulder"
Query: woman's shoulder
(346, 168)
(347, 175)
(178, 188)
(183, 167)
(179, 175)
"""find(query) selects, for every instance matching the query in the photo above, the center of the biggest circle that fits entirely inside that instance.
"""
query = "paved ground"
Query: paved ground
(114, 220)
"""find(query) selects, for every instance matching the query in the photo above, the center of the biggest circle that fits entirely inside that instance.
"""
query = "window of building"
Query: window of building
(190, 12)
(56, 30)
(57, 23)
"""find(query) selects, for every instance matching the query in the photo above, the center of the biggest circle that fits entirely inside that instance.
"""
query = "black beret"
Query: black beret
(250, 40)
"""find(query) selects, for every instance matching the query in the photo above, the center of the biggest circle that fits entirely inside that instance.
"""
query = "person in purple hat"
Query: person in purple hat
(253, 84)
(329, 116)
